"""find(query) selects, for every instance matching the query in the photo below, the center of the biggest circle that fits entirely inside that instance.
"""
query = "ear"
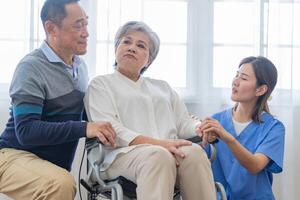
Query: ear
(148, 62)
(261, 90)
(50, 27)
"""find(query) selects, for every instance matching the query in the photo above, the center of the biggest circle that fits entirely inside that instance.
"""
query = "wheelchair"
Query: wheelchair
(121, 188)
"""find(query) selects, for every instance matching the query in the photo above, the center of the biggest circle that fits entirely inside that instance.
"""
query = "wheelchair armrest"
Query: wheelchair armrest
(93, 182)
(198, 140)
(95, 151)
(91, 143)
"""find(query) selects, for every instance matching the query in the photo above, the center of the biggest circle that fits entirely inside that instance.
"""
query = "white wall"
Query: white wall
(4, 105)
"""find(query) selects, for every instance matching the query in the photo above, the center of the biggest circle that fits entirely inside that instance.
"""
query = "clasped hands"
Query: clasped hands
(211, 130)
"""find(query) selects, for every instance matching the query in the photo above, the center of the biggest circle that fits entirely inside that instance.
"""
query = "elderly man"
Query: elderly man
(38, 145)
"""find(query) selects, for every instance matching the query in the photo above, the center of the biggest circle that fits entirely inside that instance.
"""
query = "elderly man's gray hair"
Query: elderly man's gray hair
(142, 27)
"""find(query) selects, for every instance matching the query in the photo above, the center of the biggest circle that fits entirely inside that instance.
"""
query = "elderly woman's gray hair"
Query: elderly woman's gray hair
(133, 26)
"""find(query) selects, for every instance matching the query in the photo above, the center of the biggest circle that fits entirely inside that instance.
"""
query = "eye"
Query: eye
(79, 25)
(141, 46)
(243, 77)
(126, 42)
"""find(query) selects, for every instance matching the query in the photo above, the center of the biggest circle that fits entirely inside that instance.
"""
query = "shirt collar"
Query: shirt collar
(125, 78)
(53, 57)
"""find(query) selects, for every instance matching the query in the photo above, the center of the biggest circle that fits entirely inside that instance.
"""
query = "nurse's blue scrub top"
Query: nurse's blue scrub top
(266, 138)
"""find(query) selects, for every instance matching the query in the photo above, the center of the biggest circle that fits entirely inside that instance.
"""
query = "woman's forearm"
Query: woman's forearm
(254, 163)
(141, 139)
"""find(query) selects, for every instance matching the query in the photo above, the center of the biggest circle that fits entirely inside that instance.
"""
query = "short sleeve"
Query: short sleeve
(273, 146)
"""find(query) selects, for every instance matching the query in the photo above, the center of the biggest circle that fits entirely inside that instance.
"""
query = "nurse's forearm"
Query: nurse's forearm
(254, 163)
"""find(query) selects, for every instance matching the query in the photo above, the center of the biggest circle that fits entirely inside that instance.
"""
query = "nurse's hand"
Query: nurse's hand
(207, 137)
(212, 129)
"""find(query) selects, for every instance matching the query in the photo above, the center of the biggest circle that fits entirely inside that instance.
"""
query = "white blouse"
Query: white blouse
(146, 107)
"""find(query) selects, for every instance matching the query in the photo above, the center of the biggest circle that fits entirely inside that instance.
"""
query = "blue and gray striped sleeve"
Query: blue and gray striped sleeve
(28, 94)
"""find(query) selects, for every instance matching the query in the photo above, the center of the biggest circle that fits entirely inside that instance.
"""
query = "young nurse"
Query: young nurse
(251, 143)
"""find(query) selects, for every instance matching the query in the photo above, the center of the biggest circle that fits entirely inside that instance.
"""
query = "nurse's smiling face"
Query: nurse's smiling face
(244, 85)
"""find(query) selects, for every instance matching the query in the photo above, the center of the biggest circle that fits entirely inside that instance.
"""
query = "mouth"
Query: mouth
(130, 56)
(83, 43)
(234, 91)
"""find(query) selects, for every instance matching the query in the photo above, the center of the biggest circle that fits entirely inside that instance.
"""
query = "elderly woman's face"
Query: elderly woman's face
(132, 54)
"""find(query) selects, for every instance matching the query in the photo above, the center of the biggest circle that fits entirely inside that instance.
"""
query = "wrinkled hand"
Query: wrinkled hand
(174, 145)
(212, 129)
(103, 131)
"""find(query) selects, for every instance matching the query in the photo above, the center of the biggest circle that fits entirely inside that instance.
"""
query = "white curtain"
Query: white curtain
(282, 46)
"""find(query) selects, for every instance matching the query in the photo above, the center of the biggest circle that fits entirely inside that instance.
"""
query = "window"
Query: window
(25, 32)
(14, 37)
(234, 38)
(161, 16)
(282, 41)
(256, 27)
(201, 41)
(19, 33)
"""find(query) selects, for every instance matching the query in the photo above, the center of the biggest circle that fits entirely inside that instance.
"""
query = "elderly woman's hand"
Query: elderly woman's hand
(174, 145)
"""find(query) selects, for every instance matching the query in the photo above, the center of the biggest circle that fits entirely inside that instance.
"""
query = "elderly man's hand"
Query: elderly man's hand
(103, 131)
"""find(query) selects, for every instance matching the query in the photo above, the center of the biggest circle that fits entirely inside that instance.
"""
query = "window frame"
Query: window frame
(282, 97)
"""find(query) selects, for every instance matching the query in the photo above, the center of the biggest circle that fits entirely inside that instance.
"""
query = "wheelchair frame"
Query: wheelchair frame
(117, 189)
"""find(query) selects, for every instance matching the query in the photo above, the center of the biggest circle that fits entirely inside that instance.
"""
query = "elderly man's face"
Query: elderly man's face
(132, 54)
(71, 35)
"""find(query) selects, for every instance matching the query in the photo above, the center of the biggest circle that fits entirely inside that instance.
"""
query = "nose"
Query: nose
(235, 81)
(85, 33)
(131, 49)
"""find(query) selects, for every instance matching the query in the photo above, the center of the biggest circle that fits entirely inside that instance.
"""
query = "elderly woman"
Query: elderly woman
(149, 118)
